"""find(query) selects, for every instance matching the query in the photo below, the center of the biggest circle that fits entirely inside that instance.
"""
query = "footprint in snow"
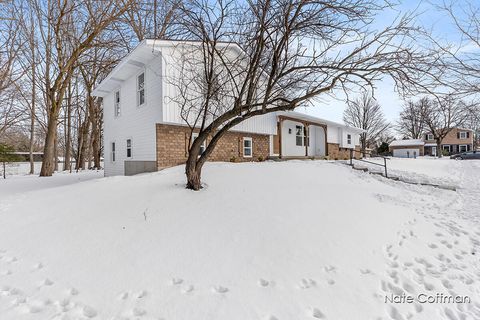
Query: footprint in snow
(10, 259)
(263, 283)
(188, 289)
(331, 282)
(329, 269)
(38, 266)
(307, 283)
(177, 281)
(365, 271)
(89, 312)
(316, 313)
(220, 289)
(47, 282)
(123, 296)
(137, 312)
(73, 292)
(6, 273)
(141, 294)
(271, 317)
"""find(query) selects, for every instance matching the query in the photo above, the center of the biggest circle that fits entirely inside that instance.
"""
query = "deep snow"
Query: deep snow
(288, 240)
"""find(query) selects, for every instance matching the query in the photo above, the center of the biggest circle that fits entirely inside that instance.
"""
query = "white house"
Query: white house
(144, 131)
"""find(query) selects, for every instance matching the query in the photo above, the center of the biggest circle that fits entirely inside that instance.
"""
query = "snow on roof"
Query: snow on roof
(303, 116)
(408, 142)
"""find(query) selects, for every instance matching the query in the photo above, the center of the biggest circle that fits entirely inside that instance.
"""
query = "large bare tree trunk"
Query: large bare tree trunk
(439, 149)
(48, 164)
(193, 172)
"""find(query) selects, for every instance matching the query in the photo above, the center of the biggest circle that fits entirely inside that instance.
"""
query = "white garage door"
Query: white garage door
(406, 153)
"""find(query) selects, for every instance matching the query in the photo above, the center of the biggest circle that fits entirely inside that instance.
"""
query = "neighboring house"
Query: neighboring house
(144, 132)
(407, 148)
(457, 140)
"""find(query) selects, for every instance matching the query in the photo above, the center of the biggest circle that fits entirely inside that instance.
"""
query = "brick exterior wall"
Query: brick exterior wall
(337, 153)
(452, 138)
(172, 146)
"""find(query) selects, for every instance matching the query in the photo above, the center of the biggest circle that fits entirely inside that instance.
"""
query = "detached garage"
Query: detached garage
(407, 148)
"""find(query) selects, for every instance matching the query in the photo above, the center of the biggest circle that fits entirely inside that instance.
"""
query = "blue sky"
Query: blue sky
(391, 103)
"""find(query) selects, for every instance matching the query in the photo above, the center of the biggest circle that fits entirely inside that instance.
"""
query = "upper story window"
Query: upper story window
(349, 139)
(430, 136)
(247, 147)
(141, 89)
(129, 148)
(117, 103)
(112, 154)
(463, 135)
(204, 143)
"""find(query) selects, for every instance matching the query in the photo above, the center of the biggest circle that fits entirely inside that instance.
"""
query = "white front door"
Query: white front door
(434, 151)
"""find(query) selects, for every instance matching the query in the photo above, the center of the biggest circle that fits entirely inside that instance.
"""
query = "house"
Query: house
(457, 140)
(410, 148)
(144, 130)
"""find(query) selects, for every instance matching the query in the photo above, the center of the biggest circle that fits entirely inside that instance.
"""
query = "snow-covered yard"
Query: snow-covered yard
(286, 240)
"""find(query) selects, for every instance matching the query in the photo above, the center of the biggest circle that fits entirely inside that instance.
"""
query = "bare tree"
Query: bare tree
(365, 113)
(68, 29)
(441, 116)
(289, 53)
(411, 124)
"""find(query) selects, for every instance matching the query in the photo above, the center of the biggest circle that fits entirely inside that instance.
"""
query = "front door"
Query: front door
(434, 151)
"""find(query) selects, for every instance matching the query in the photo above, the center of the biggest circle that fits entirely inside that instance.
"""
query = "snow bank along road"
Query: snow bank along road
(289, 240)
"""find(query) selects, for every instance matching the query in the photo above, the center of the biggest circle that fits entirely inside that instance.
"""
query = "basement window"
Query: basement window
(141, 89)
(247, 147)
(204, 144)
(112, 153)
(117, 103)
(129, 148)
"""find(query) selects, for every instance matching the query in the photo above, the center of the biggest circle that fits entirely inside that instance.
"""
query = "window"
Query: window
(141, 89)
(462, 148)
(349, 139)
(203, 146)
(247, 147)
(299, 135)
(129, 148)
(430, 136)
(462, 135)
(112, 154)
(446, 148)
(117, 103)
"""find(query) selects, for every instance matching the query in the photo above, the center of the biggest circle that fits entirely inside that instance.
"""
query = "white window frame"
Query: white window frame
(349, 138)
(113, 151)
(246, 148)
(430, 137)
(138, 90)
(204, 143)
(464, 133)
(117, 103)
(131, 148)
(460, 147)
(302, 135)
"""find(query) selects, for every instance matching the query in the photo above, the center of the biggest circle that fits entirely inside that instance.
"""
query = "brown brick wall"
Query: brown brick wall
(451, 138)
(337, 153)
(172, 146)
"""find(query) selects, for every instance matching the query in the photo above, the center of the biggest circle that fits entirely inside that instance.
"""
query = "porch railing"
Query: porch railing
(384, 165)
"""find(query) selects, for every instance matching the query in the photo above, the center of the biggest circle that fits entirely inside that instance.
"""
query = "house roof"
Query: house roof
(306, 117)
(408, 142)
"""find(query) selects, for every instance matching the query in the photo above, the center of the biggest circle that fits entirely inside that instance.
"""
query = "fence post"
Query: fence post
(351, 156)
(385, 163)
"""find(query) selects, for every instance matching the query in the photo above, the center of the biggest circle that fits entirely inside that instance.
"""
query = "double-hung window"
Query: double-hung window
(349, 139)
(141, 89)
(463, 135)
(429, 136)
(203, 146)
(112, 153)
(117, 103)
(299, 135)
(129, 148)
(247, 147)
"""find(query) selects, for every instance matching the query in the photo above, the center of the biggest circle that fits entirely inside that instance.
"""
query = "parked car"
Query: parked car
(471, 155)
